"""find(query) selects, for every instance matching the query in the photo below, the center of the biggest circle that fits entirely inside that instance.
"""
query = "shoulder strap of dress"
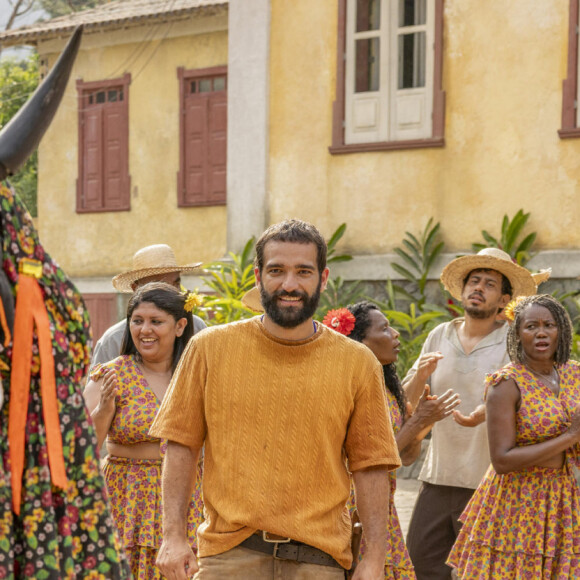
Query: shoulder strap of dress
(510, 371)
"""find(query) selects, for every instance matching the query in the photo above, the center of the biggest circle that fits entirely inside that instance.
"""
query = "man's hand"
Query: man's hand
(473, 419)
(176, 559)
(372, 490)
(368, 570)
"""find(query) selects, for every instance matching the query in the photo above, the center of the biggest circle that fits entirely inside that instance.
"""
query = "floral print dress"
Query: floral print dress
(135, 484)
(60, 533)
(398, 565)
(525, 525)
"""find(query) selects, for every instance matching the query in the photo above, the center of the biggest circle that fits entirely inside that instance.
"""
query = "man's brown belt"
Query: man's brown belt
(286, 549)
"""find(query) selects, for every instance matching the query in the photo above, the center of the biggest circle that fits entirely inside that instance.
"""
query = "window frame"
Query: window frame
(82, 89)
(570, 114)
(437, 138)
(186, 75)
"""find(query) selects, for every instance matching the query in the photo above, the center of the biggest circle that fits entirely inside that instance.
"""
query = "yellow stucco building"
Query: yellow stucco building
(377, 113)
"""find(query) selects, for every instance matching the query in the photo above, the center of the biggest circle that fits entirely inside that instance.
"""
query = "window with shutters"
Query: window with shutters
(203, 137)
(570, 87)
(389, 75)
(103, 182)
(102, 312)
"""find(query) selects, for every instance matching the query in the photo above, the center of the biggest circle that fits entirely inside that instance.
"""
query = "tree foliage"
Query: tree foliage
(17, 9)
(56, 8)
(18, 79)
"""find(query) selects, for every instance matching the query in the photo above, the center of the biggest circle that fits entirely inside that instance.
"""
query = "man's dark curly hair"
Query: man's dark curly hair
(563, 322)
(293, 231)
(361, 311)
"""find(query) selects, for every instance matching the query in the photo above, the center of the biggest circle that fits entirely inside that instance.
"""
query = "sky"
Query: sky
(28, 18)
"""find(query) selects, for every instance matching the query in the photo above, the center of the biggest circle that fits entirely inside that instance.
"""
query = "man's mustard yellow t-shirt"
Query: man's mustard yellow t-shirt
(278, 419)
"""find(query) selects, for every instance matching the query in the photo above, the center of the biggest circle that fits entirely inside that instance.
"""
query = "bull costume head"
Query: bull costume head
(54, 515)
(21, 136)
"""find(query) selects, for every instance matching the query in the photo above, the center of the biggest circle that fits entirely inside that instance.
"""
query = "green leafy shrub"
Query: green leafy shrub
(511, 229)
(418, 254)
(229, 281)
(18, 80)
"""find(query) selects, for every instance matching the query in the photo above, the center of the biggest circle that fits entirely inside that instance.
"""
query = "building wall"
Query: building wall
(502, 151)
(102, 244)
(502, 72)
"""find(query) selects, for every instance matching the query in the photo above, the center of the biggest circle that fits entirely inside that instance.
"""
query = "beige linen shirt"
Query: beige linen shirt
(459, 456)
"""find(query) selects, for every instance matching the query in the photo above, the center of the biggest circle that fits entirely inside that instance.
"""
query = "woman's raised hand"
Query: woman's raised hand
(427, 364)
(108, 391)
(574, 429)
(433, 408)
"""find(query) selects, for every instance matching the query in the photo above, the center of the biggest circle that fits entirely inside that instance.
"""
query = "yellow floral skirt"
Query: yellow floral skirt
(134, 487)
(398, 565)
(521, 525)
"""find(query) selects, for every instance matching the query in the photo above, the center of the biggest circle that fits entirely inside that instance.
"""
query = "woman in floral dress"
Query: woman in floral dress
(523, 522)
(124, 396)
(49, 530)
(365, 323)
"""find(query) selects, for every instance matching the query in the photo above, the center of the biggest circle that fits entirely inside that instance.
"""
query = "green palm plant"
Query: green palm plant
(338, 293)
(413, 327)
(229, 281)
(511, 230)
(418, 255)
(331, 255)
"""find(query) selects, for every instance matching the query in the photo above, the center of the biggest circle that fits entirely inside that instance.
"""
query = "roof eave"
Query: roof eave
(32, 35)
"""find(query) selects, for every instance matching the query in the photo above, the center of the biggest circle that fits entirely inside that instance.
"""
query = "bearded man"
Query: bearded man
(278, 401)
(458, 355)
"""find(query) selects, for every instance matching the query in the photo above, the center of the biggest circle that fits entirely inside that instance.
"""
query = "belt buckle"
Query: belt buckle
(266, 537)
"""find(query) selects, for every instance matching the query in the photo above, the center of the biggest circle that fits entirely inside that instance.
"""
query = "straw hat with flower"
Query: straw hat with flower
(523, 282)
(251, 299)
(151, 261)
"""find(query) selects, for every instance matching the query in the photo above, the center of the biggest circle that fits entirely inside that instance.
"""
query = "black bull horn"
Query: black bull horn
(20, 137)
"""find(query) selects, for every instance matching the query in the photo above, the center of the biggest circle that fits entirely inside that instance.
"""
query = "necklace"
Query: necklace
(553, 379)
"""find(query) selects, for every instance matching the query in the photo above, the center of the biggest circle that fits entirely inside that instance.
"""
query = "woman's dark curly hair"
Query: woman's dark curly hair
(166, 298)
(563, 322)
(361, 311)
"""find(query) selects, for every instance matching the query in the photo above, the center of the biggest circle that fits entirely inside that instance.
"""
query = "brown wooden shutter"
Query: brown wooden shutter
(92, 181)
(104, 182)
(195, 150)
(203, 137)
(102, 309)
(216, 159)
(115, 152)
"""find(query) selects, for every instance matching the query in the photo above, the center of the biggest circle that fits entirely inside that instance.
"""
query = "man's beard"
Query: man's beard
(290, 317)
(481, 314)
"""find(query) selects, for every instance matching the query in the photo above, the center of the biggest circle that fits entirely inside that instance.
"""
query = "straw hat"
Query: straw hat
(251, 299)
(523, 282)
(150, 261)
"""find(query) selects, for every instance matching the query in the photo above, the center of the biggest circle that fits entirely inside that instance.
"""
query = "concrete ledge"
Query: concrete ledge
(564, 264)
(102, 285)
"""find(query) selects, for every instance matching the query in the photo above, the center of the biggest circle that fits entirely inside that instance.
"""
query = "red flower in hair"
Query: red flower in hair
(341, 320)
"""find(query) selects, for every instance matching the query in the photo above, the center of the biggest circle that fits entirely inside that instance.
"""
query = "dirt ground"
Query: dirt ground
(407, 490)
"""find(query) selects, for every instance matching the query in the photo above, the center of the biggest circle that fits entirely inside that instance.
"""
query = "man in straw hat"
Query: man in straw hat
(155, 263)
(278, 400)
(457, 355)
